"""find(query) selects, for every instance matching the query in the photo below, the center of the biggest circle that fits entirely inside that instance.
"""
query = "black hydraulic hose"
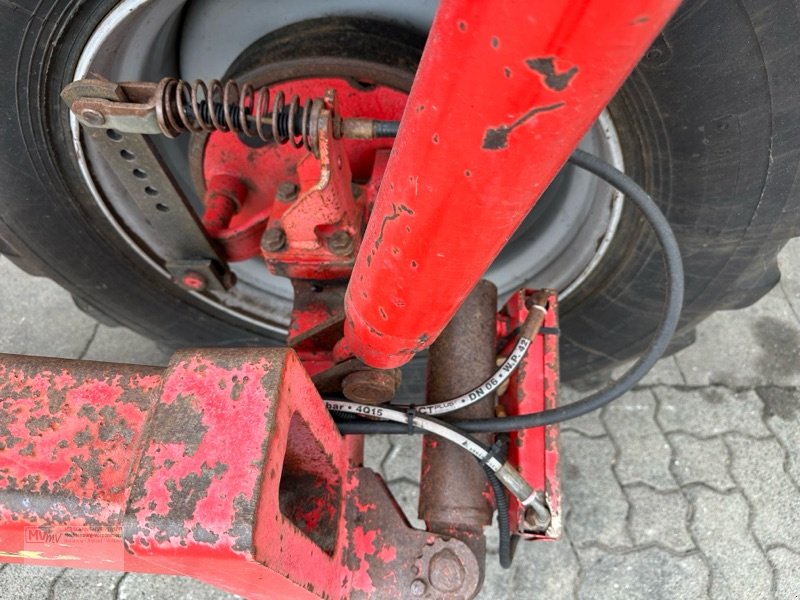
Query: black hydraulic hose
(658, 344)
(503, 525)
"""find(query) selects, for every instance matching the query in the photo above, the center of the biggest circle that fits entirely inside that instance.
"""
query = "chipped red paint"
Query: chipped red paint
(503, 94)
(225, 466)
(327, 208)
(533, 388)
(70, 437)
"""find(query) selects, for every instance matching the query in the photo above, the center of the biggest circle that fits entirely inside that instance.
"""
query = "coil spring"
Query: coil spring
(216, 106)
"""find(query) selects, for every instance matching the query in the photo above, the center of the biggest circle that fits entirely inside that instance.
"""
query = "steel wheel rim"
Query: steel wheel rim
(248, 301)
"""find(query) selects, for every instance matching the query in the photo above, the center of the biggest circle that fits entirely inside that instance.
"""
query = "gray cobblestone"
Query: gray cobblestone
(659, 518)
(376, 447)
(650, 574)
(700, 461)
(533, 561)
(666, 372)
(24, 582)
(757, 466)
(403, 458)
(39, 318)
(644, 453)
(787, 573)
(710, 411)
(74, 584)
(598, 506)
(720, 526)
(764, 349)
(138, 586)
(785, 425)
(589, 424)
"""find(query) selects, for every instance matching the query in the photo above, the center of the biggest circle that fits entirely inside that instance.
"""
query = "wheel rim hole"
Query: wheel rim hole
(114, 134)
(162, 207)
(139, 174)
(151, 191)
(127, 154)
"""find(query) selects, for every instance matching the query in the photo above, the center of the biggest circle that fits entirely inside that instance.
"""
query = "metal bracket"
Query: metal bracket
(189, 255)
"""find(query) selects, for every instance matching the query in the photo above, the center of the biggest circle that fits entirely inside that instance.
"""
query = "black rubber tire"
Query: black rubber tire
(709, 124)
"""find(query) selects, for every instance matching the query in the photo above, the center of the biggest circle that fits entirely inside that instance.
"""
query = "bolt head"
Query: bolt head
(445, 572)
(92, 117)
(371, 387)
(287, 192)
(194, 281)
(274, 240)
(418, 587)
(341, 243)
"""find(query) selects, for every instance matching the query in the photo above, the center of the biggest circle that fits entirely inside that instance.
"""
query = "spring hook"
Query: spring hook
(200, 106)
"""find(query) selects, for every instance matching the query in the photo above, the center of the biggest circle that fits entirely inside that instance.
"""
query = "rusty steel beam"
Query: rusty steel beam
(453, 498)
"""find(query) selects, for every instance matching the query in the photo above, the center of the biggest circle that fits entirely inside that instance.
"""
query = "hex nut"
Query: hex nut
(341, 243)
(287, 192)
(274, 240)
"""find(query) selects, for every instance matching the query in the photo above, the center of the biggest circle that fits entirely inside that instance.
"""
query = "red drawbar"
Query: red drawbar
(225, 466)
(504, 92)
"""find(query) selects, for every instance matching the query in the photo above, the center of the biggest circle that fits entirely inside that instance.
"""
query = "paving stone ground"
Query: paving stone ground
(688, 487)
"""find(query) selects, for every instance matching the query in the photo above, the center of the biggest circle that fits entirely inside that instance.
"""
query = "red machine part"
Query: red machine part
(503, 94)
(533, 388)
(317, 235)
(247, 187)
(225, 466)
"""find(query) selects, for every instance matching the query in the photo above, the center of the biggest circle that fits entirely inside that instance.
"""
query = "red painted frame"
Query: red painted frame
(534, 388)
(503, 94)
(179, 470)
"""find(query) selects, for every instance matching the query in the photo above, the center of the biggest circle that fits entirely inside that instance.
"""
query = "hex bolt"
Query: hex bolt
(225, 195)
(287, 192)
(92, 117)
(537, 520)
(341, 243)
(445, 572)
(371, 387)
(274, 240)
(418, 587)
(194, 280)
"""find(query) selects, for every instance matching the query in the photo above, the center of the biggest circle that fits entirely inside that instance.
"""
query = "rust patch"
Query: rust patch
(203, 535)
(179, 422)
(242, 530)
(183, 498)
(557, 82)
(496, 138)
(397, 209)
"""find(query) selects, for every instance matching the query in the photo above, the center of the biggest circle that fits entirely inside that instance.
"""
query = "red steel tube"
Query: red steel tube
(504, 93)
